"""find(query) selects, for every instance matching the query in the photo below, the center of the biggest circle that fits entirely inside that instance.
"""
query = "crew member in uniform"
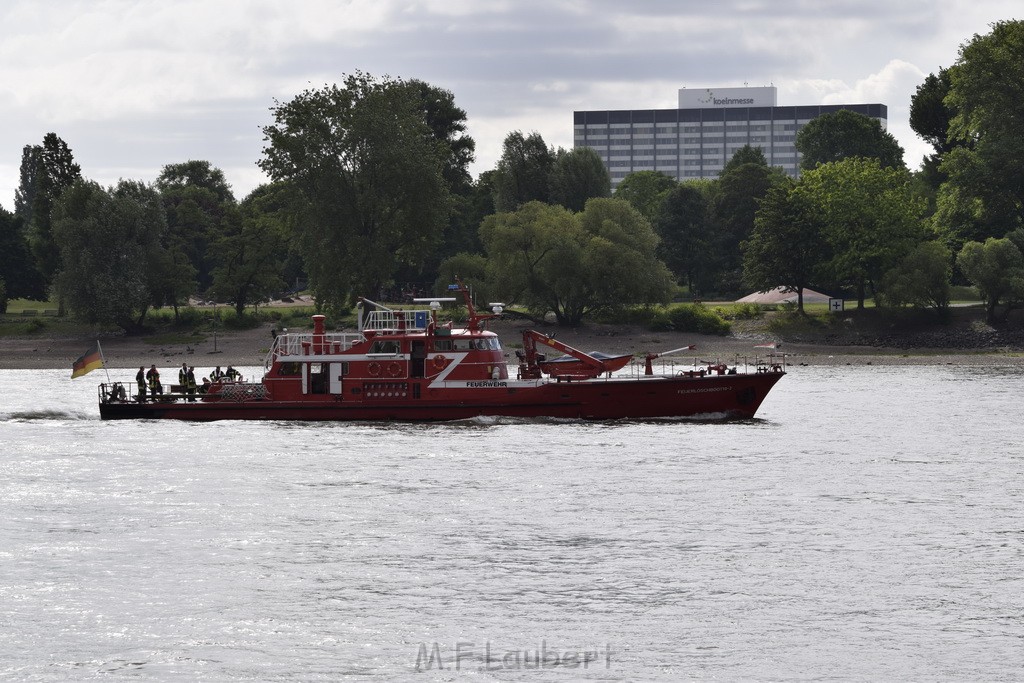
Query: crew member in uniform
(190, 384)
(183, 378)
(140, 378)
(153, 377)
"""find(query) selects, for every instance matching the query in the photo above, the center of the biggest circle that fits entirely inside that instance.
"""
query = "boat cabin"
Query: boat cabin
(396, 353)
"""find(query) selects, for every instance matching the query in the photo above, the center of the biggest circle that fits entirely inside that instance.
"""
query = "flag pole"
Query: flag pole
(103, 360)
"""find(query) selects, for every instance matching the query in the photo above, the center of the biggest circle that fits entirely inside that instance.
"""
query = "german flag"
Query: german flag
(87, 362)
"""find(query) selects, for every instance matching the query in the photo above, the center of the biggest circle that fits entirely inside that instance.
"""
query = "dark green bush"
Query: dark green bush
(660, 322)
(690, 318)
(246, 321)
(191, 317)
(629, 315)
(739, 312)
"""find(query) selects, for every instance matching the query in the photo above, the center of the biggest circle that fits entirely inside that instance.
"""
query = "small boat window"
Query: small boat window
(480, 344)
(495, 344)
(289, 370)
(442, 344)
(385, 346)
(463, 344)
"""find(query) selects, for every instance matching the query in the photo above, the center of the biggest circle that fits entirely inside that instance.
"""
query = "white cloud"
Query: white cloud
(891, 84)
(133, 85)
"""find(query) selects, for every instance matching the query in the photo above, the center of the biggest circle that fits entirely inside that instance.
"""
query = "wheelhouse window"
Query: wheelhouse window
(289, 370)
(385, 346)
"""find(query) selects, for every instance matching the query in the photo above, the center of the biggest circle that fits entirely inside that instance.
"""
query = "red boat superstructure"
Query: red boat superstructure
(404, 365)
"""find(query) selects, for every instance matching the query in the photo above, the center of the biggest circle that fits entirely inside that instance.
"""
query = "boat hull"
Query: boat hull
(713, 396)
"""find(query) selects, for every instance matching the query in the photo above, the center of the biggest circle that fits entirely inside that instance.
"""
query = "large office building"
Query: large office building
(698, 138)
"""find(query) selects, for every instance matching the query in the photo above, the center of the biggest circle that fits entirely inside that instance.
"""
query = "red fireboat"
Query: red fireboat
(403, 365)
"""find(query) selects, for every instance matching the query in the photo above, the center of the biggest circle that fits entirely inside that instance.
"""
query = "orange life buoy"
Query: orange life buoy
(373, 368)
(394, 369)
(438, 361)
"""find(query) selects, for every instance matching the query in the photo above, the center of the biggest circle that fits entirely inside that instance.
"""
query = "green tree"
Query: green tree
(985, 90)
(524, 171)
(686, 234)
(447, 122)
(462, 233)
(17, 267)
(56, 171)
(996, 267)
(520, 247)
(550, 259)
(468, 210)
(198, 202)
(845, 134)
(787, 246)
(25, 195)
(251, 255)
(645, 190)
(741, 187)
(958, 217)
(105, 238)
(579, 175)
(170, 278)
(1017, 237)
(196, 173)
(620, 257)
(471, 269)
(747, 154)
(869, 216)
(370, 174)
(921, 279)
(930, 116)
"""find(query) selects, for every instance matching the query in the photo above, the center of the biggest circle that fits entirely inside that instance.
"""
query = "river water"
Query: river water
(868, 525)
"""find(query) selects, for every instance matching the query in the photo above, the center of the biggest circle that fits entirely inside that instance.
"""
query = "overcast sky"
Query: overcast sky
(134, 85)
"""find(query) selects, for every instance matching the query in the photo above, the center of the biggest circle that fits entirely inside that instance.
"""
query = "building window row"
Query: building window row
(691, 149)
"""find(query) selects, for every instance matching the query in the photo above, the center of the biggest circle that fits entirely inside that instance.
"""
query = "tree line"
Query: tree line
(865, 224)
(369, 185)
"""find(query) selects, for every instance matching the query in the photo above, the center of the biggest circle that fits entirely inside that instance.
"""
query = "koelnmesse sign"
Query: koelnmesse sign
(727, 97)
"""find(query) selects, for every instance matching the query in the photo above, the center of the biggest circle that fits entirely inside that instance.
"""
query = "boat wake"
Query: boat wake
(36, 415)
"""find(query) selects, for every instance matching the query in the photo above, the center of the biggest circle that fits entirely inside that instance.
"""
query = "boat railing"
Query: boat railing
(306, 343)
(242, 391)
(126, 392)
(697, 366)
(391, 320)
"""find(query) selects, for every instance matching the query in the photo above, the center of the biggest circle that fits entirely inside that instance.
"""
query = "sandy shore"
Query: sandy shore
(249, 348)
